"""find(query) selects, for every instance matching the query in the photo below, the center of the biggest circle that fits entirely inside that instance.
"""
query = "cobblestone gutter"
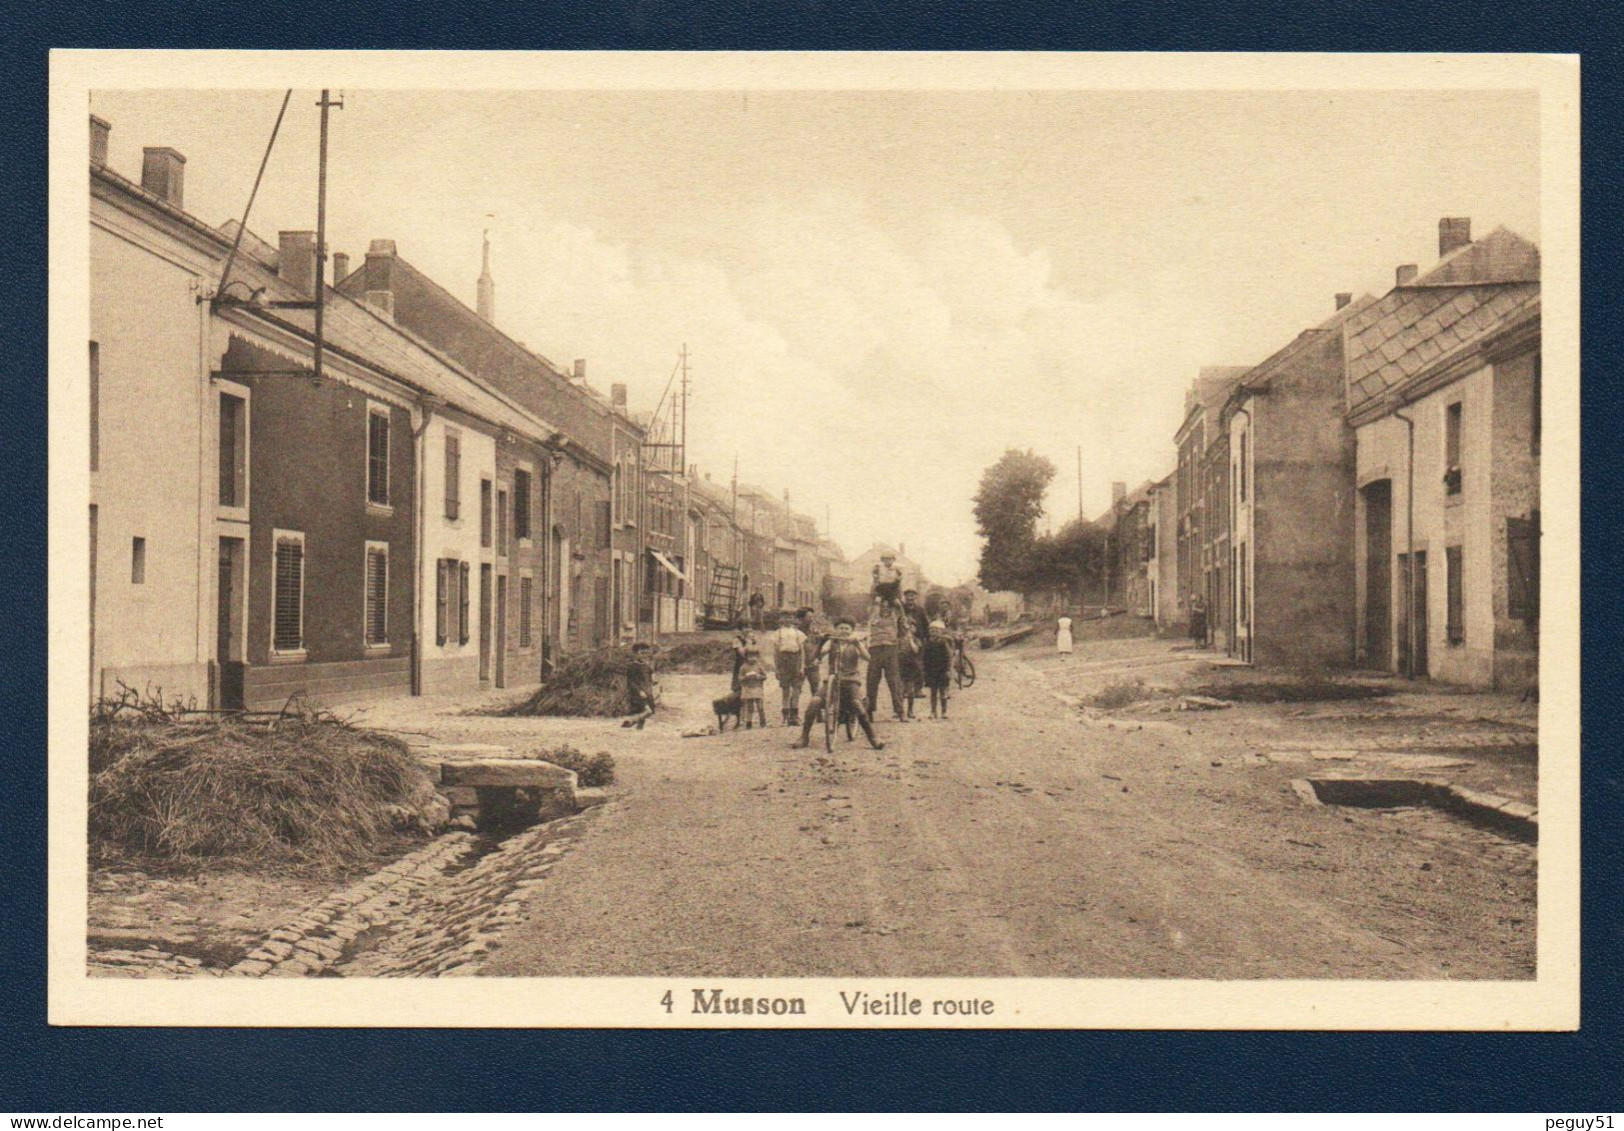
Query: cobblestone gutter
(439, 910)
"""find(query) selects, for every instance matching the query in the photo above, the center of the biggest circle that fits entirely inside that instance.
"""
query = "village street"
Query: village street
(1020, 839)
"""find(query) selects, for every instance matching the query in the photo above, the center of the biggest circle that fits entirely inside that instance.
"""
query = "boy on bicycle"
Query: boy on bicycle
(846, 657)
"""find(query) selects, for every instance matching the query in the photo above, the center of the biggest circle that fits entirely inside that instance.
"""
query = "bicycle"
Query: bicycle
(964, 668)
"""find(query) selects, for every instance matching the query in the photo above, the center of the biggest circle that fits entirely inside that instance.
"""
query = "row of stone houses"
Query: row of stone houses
(1368, 495)
(399, 498)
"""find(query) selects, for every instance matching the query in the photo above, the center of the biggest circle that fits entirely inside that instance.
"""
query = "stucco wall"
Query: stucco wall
(453, 665)
(147, 324)
(1515, 492)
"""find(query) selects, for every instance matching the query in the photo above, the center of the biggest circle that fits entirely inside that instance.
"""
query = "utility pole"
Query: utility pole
(682, 440)
(1079, 483)
(326, 104)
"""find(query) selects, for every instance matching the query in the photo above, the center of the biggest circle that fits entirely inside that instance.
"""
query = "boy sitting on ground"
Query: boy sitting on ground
(640, 686)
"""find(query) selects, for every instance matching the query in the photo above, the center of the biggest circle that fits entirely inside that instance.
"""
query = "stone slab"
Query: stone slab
(530, 773)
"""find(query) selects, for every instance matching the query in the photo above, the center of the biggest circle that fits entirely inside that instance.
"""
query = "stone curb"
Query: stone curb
(1498, 810)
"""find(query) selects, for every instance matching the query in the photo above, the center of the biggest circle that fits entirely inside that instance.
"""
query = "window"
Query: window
(95, 406)
(501, 523)
(446, 579)
(377, 595)
(526, 588)
(1457, 600)
(453, 475)
(1522, 567)
(138, 561)
(1452, 467)
(605, 524)
(287, 585)
(233, 451)
(521, 504)
(378, 455)
(485, 513)
(463, 588)
(1240, 471)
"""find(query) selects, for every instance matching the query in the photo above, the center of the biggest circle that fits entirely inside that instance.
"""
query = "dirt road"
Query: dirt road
(1015, 839)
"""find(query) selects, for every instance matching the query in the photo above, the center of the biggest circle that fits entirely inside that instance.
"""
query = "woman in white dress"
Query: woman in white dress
(1062, 638)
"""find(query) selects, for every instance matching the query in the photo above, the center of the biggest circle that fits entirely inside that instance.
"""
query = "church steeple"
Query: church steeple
(487, 285)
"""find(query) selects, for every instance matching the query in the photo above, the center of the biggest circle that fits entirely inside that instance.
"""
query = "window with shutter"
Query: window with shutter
(1457, 598)
(462, 602)
(1452, 449)
(521, 504)
(287, 585)
(378, 456)
(485, 513)
(233, 461)
(526, 588)
(501, 523)
(441, 585)
(453, 475)
(377, 594)
(605, 524)
(1522, 567)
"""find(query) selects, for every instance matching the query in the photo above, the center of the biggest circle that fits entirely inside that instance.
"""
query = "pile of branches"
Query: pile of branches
(297, 791)
(583, 685)
(697, 657)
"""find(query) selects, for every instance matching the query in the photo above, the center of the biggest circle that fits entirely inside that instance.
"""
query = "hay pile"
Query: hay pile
(304, 792)
(698, 657)
(583, 685)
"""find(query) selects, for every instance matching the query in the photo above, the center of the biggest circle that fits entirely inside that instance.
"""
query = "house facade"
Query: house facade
(1443, 379)
(1162, 566)
(1201, 490)
(1290, 502)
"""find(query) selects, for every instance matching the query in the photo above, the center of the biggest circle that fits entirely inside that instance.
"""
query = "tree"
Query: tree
(1007, 506)
(1070, 559)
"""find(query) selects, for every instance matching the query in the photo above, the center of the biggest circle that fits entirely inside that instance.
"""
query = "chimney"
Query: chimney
(486, 299)
(1343, 298)
(617, 394)
(1119, 491)
(379, 292)
(163, 174)
(99, 129)
(341, 267)
(578, 375)
(1405, 275)
(296, 260)
(1454, 232)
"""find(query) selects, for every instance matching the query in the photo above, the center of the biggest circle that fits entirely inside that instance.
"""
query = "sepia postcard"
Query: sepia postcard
(814, 540)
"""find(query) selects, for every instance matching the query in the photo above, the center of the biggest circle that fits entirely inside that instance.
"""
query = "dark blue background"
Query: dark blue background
(67, 1070)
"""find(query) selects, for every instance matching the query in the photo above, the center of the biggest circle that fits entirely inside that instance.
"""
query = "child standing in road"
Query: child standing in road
(938, 661)
(752, 679)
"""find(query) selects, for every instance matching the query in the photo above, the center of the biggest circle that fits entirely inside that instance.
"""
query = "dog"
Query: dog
(726, 706)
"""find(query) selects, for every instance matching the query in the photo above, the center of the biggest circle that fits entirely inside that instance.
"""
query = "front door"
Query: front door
(228, 641)
(501, 631)
(1418, 604)
(485, 622)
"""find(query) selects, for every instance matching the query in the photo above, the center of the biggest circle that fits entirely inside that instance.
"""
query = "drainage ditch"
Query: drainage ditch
(1483, 812)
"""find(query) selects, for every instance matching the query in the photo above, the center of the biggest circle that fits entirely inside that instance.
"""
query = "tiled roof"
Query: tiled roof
(1459, 301)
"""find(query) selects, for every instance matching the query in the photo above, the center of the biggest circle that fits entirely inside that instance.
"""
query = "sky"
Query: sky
(882, 291)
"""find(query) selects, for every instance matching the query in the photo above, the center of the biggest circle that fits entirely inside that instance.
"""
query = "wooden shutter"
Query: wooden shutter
(462, 599)
(377, 596)
(441, 585)
(1454, 581)
(378, 458)
(453, 475)
(485, 512)
(289, 595)
(1522, 567)
(521, 504)
(526, 589)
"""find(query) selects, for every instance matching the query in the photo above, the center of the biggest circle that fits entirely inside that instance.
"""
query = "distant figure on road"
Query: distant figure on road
(640, 686)
(1198, 619)
(845, 657)
(757, 604)
(1062, 638)
(938, 664)
(789, 664)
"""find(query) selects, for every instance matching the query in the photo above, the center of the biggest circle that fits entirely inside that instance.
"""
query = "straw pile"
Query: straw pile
(593, 684)
(304, 792)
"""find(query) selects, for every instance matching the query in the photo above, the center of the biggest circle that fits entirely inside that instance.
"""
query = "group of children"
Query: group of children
(905, 647)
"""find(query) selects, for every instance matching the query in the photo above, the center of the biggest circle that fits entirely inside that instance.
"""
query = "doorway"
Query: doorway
(501, 631)
(484, 622)
(1415, 603)
(228, 640)
(1378, 620)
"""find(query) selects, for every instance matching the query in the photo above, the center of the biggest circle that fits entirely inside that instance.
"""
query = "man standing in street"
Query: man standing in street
(884, 635)
(916, 635)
